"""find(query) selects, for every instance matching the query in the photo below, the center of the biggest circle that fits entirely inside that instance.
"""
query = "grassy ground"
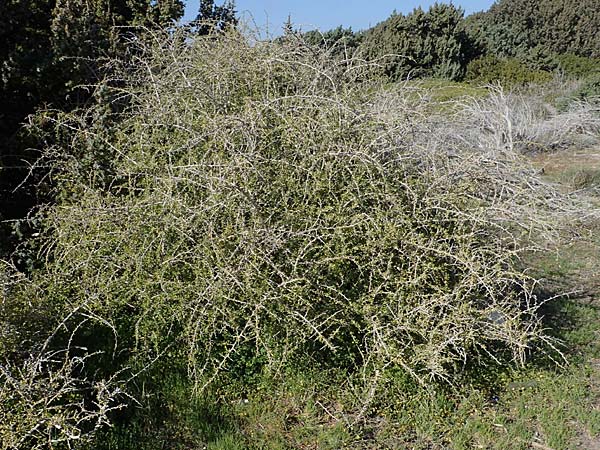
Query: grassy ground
(445, 91)
(540, 407)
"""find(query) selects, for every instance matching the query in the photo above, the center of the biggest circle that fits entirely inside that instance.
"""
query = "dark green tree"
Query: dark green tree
(432, 43)
(532, 30)
(213, 17)
(51, 50)
(27, 74)
(340, 41)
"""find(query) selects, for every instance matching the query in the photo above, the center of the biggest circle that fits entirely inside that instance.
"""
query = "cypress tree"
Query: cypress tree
(432, 43)
(213, 17)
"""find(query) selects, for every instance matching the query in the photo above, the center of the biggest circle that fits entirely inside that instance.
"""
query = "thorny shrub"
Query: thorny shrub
(45, 401)
(265, 199)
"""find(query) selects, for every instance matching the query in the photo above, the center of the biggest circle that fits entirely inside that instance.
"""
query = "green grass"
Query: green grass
(582, 178)
(555, 408)
(443, 95)
(445, 91)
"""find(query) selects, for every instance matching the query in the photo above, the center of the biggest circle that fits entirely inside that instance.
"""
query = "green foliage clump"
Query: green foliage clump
(341, 42)
(587, 90)
(508, 72)
(590, 89)
(577, 67)
(213, 17)
(432, 43)
(520, 28)
(51, 52)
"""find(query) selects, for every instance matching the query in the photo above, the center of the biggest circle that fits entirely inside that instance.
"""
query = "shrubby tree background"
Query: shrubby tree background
(343, 42)
(538, 36)
(423, 43)
(515, 41)
(533, 30)
(52, 51)
(213, 17)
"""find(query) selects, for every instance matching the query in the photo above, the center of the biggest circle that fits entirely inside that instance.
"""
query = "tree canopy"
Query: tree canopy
(340, 41)
(422, 43)
(214, 17)
(530, 28)
(50, 52)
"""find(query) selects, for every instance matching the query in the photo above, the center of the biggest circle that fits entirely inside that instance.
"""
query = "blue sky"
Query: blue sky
(327, 14)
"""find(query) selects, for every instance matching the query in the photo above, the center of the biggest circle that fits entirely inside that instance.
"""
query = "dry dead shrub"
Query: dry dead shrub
(524, 122)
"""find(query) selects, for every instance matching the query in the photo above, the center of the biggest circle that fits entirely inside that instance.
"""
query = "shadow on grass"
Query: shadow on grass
(173, 419)
(574, 321)
(573, 324)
